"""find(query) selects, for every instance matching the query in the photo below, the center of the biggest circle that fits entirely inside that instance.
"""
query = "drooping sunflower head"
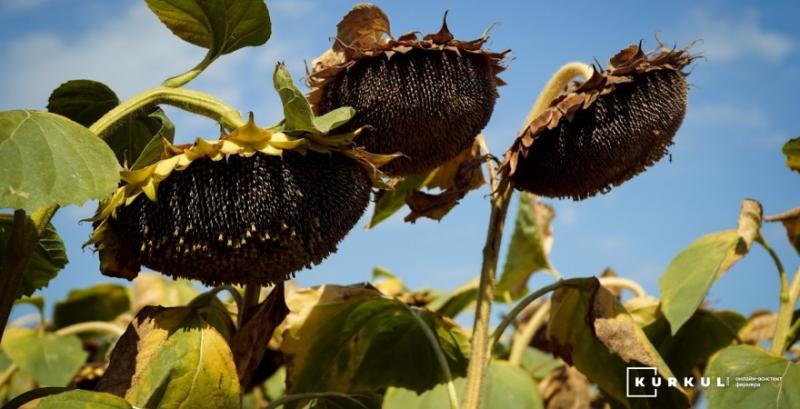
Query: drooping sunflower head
(601, 133)
(425, 98)
(254, 206)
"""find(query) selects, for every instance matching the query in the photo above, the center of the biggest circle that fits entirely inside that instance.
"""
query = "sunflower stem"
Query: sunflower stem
(556, 85)
(252, 293)
(189, 100)
(91, 326)
(529, 330)
(183, 79)
(481, 353)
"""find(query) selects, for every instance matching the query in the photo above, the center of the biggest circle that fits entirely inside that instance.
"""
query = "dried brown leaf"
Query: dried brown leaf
(251, 342)
(760, 327)
(791, 222)
(749, 225)
(565, 388)
(362, 28)
(456, 178)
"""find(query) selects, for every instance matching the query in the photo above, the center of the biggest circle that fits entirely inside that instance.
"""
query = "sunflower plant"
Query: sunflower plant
(397, 120)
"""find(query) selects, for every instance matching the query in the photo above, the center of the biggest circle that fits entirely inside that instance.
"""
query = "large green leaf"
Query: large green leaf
(171, 358)
(691, 273)
(529, 249)
(700, 337)
(20, 382)
(47, 159)
(221, 26)
(781, 392)
(83, 101)
(507, 387)
(390, 201)
(51, 360)
(592, 331)
(48, 258)
(136, 141)
(353, 339)
(102, 302)
(80, 399)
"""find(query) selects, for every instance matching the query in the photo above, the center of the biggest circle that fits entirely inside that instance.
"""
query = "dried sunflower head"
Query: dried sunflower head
(425, 98)
(600, 133)
(254, 206)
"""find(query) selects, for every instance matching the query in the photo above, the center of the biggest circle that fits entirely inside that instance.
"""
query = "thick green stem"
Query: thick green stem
(788, 299)
(480, 333)
(502, 196)
(188, 100)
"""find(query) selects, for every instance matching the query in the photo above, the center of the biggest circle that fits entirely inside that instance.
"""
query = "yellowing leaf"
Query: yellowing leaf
(354, 339)
(80, 399)
(171, 358)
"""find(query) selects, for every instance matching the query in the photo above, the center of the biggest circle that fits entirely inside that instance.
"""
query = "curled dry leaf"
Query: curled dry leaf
(749, 225)
(791, 222)
(760, 327)
(456, 178)
(565, 388)
(363, 27)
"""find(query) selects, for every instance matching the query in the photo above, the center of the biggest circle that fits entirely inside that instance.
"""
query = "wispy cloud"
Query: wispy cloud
(731, 37)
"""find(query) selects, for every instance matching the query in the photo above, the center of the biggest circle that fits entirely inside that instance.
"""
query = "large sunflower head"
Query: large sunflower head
(426, 98)
(602, 132)
(254, 206)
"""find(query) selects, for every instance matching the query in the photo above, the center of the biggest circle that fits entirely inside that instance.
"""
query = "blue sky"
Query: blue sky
(742, 107)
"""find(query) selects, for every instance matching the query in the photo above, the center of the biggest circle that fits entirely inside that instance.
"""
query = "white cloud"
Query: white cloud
(132, 52)
(728, 38)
